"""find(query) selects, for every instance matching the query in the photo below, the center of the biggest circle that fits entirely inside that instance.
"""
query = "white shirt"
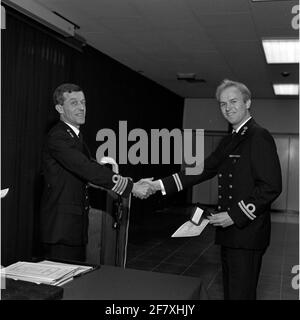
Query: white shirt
(76, 130)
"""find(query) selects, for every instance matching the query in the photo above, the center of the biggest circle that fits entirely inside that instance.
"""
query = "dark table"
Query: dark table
(25, 290)
(115, 283)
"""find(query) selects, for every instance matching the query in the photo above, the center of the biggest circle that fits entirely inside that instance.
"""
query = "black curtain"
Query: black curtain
(34, 62)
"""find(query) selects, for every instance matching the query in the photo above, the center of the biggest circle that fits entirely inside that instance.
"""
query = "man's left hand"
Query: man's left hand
(221, 219)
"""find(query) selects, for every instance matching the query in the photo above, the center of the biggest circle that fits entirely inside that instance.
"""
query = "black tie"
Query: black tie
(233, 134)
(80, 137)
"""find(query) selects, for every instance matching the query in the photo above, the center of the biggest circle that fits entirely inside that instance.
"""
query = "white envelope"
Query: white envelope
(189, 229)
(4, 192)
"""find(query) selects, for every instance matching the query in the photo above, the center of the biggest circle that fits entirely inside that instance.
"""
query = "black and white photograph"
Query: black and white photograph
(150, 153)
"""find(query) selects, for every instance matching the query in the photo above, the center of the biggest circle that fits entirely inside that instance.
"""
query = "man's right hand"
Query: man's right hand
(145, 187)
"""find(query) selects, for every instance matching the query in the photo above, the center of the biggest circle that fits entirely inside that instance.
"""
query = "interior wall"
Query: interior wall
(280, 117)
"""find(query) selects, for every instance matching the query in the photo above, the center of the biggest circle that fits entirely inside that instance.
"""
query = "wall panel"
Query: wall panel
(293, 175)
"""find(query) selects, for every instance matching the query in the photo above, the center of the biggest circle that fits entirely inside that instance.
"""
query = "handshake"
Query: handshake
(145, 188)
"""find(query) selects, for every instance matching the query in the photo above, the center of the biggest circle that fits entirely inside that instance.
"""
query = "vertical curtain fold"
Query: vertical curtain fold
(30, 71)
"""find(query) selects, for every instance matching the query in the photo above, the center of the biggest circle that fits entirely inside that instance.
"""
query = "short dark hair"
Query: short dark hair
(58, 95)
(229, 83)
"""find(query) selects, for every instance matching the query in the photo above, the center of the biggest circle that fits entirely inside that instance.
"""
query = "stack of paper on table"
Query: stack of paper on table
(47, 272)
(194, 226)
(79, 269)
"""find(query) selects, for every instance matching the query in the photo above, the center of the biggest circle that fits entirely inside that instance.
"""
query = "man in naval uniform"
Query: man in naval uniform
(68, 169)
(249, 177)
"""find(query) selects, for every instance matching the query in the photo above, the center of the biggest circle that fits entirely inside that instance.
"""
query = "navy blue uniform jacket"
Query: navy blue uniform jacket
(67, 169)
(249, 180)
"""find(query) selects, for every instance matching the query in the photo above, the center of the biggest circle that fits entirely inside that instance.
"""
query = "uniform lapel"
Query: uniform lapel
(86, 150)
(79, 140)
(69, 130)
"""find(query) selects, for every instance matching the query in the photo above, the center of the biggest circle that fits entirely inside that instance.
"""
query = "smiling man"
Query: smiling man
(68, 169)
(249, 176)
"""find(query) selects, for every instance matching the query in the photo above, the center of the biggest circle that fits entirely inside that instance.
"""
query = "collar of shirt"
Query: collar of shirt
(76, 130)
(238, 129)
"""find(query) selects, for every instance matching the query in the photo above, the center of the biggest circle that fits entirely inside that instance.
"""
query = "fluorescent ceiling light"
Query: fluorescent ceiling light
(281, 50)
(268, 0)
(286, 89)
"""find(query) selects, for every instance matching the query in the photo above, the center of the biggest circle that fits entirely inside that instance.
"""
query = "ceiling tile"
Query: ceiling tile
(277, 21)
(164, 10)
(191, 41)
(216, 39)
(125, 25)
(218, 6)
(99, 8)
(229, 27)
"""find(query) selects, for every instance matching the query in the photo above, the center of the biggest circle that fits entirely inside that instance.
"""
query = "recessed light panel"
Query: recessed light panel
(268, 0)
(281, 50)
(286, 89)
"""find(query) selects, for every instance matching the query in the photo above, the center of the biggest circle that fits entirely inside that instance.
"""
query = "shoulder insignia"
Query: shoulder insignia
(245, 128)
(70, 133)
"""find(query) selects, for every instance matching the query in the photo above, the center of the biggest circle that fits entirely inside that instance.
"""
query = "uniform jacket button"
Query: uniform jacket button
(220, 197)
(230, 186)
(230, 197)
(230, 175)
(220, 175)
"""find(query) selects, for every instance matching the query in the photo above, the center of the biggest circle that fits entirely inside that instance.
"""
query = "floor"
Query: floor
(156, 251)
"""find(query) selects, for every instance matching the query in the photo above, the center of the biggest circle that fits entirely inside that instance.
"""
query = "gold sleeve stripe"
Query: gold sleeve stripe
(125, 180)
(246, 211)
(247, 207)
(122, 183)
(117, 184)
(114, 187)
(179, 181)
(177, 185)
